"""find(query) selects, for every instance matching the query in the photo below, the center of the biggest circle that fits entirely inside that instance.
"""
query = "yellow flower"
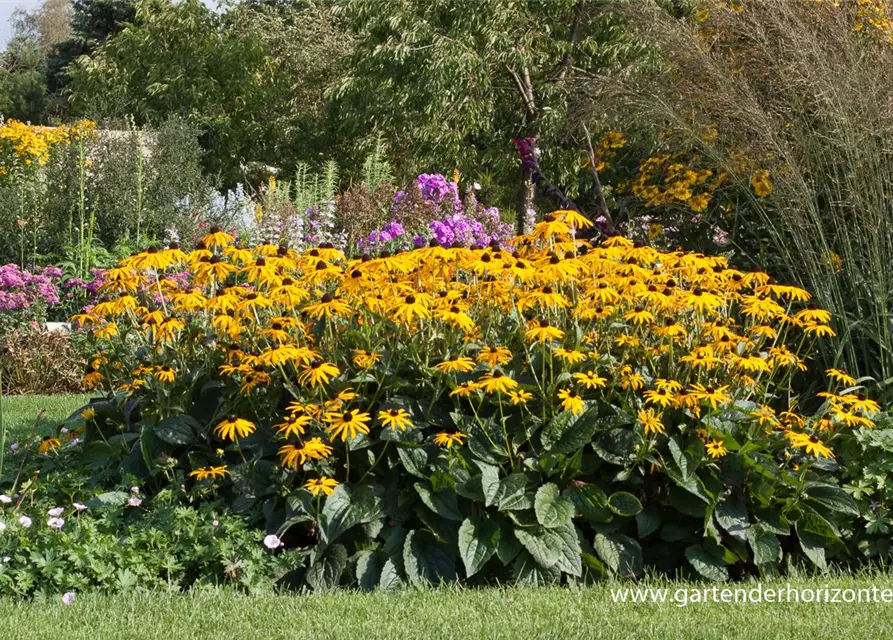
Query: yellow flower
(322, 484)
(496, 382)
(395, 419)
(651, 422)
(454, 364)
(234, 427)
(203, 473)
(449, 439)
(317, 372)
(49, 444)
(165, 374)
(812, 444)
(494, 356)
(590, 380)
(347, 424)
(88, 413)
(520, 396)
(715, 449)
(762, 185)
(839, 376)
(571, 401)
(365, 360)
(542, 331)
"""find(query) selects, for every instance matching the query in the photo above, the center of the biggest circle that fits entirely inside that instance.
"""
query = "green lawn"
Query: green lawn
(449, 613)
(20, 413)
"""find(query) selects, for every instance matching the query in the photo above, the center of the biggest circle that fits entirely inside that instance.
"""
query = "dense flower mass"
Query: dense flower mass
(20, 289)
(446, 359)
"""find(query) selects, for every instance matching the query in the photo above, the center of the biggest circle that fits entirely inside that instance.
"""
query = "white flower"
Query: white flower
(55, 512)
(214, 523)
(78, 506)
(272, 541)
(134, 489)
(5, 499)
(67, 598)
(25, 521)
(135, 502)
(63, 430)
(55, 523)
(3, 526)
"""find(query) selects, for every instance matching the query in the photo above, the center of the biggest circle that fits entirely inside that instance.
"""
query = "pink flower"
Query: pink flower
(272, 541)
(5, 499)
(135, 502)
(25, 521)
(55, 512)
(215, 523)
(55, 523)
(68, 598)
(79, 507)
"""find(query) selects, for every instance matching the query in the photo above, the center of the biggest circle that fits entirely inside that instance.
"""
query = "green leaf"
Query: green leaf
(427, 562)
(325, 573)
(508, 547)
(591, 502)
(706, 564)
(390, 575)
(683, 462)
(109, 499)
(544, 545)
(624, 504)
(443, 503)
(620, 553)
(567, 433)
(530, 573)
(489, 483)
(617, 446)
(765, 545)
(368, 570)
(831, 496)
(647, 522)
(513, 493)
(569, 561)
(179, 430)
(813, 546)
(478, 540)
(552, 510)
(415, 460)
(347, 507)
(731, 515)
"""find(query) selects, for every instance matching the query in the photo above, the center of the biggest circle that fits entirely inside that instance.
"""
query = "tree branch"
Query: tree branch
(602, 203)
(575, 35)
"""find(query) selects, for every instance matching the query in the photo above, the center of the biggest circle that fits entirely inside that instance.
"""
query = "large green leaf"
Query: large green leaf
(443, 502)
(620, 553)
(544, 545)
(831, 496)
(566, 432)
(765, 545)
(326, 572)
(706, 564)
(624, 504)
(513, 494)
(347, 507)
(368, 570)
(179, 430)
(731, 515)
(569, 561)
(552, 510)
(617, 446)
(591, 502)
(415, 460)
(427, 562)
(478, 540)
(813, 545)
(530, 573)
(490, 484)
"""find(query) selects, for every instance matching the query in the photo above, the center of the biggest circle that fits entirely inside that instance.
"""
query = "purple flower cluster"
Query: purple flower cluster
(440, 193)
(22, 290)
(90, 288)
(381, 238)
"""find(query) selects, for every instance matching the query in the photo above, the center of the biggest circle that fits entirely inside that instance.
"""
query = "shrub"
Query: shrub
(34, 360)
(550, 410)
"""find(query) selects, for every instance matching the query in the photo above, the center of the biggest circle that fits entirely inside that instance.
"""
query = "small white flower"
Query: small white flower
(477, 186)
(214, 523)
(55, 512)
(25, 521)
(63, 430)
(5, 499)
(55, 523)
(134, 489)
(272, 541)
(6, 559)
(78, 506)
(68, 598)
(3, 526)
(135, 502)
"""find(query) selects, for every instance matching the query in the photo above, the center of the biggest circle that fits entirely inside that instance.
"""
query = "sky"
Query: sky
(6, 9)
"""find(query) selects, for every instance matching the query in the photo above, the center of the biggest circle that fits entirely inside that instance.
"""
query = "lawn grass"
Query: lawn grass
(20, 413)
(448, 613)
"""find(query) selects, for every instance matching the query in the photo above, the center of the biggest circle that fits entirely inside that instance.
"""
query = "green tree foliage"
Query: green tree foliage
(251, 77)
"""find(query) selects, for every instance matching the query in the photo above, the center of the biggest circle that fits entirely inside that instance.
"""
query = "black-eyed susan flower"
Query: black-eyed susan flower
(840, 376)
(454, 364)
(365, 359)
(347, 424)
(715, 449)
(811, 444)
(203, 473)
(542, 331)
(49, 444)
(714, 396)
(519, 396)
(494, 356)
(234, 427)
(496, 382)
(652, 423)
(590, 380)
(323, 484)
(571, 401)
(395, 419)
(448, 440)
(165, 374)
(317, 373)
